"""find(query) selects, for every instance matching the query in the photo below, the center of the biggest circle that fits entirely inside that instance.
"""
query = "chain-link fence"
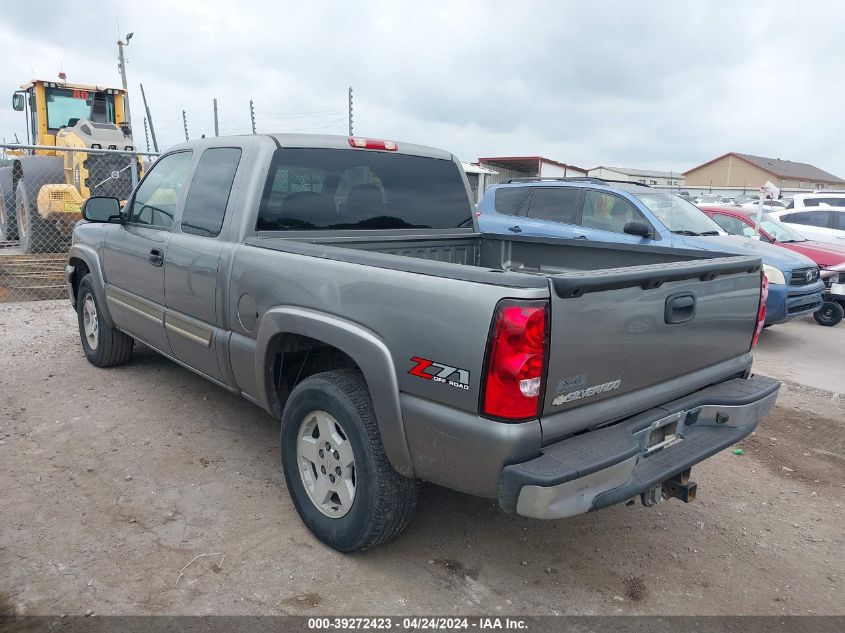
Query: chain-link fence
(41, 194)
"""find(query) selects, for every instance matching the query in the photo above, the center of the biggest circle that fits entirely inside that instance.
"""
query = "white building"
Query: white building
(512, 167)
(478, 178)
(642, 176)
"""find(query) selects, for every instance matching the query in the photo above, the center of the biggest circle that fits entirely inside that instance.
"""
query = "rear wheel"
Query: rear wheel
(8, 223)
(337, 473)
(830, 313)
(36, 235)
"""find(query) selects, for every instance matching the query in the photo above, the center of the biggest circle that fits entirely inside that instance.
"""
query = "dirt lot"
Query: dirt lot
(115, 481)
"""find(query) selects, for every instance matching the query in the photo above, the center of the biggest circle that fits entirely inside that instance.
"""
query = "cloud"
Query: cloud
(665, 85)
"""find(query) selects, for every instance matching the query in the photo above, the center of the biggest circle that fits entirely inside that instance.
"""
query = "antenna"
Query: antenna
(185, 123)
(252, 115)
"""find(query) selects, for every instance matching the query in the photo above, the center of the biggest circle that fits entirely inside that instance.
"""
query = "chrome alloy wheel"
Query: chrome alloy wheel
(326, 464)
(90, 324)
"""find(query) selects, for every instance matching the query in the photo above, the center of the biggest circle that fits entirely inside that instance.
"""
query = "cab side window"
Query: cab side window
(558, 204)
(809, 218)
(208, 193)
(155, 201)
(606, 212)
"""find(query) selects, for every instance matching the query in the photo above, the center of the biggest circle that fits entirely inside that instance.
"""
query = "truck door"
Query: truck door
(194, 300)
(134, 253)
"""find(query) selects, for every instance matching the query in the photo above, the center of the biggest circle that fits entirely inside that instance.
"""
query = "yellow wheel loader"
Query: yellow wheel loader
(42, 191)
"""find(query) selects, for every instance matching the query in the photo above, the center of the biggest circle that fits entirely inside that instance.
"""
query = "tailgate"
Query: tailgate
(627, 339)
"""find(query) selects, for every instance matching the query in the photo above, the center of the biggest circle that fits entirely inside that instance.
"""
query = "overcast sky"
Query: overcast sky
(660, 85)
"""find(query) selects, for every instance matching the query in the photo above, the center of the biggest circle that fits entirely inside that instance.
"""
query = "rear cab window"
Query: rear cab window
(334, 189)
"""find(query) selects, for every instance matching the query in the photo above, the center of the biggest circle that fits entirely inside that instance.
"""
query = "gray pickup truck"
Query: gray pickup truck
(341, 284)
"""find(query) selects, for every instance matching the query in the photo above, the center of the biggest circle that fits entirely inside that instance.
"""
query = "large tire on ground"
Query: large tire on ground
(829, 314)
(104, 346)
(35, 234)
(340, 480)
(8, 223)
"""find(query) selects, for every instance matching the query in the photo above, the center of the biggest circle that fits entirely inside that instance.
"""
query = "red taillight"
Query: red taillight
(761, 313)
(516, 360)
(371, 143)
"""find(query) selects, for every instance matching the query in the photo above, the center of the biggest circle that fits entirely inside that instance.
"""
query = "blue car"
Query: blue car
(629, 213)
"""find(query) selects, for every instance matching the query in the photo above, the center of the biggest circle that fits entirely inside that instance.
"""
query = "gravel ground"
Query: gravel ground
(145, 490)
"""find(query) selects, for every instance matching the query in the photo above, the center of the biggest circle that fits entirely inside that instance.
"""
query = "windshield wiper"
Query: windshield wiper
(693, 233)
(710, 233)
(791, 241)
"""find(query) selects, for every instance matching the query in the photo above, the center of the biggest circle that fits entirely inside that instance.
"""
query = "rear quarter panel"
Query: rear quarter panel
(442, 320)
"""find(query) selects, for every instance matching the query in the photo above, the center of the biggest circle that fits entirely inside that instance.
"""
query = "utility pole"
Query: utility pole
(216, 127)
(252, 115)
(350, 110)
(185, 124)
(121, 64)
(147, 133)
(150, 119)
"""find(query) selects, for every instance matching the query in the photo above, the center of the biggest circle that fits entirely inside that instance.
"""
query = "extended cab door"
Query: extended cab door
(193, 296)
(134, 253)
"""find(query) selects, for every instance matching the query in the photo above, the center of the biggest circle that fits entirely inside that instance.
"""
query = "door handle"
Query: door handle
(515, 229)
(156, 257)
(680, 308)
(579, 236)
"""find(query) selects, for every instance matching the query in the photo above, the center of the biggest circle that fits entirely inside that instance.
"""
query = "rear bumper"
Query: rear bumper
(600, 468)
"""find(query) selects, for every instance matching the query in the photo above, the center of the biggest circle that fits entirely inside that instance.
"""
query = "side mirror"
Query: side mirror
(18, 101)
(638, 228)
(101, 209)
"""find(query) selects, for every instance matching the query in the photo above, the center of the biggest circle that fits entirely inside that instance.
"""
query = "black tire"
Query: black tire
(384, 500)
(112, 347)
(8, 222)
(35, 234)
(829, 314)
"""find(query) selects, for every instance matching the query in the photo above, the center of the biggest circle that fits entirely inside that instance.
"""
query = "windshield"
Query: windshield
(780, 232)
(64, 105)
(678, 215)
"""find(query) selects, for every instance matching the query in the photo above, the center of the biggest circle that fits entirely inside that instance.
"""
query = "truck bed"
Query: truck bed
(566, 259)
(616, 333)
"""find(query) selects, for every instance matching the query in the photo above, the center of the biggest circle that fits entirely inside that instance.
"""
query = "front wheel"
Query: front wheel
(829, 314)
(104, 346)
(341, 482)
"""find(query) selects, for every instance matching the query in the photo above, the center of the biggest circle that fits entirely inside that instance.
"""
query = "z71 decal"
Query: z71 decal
(438, 372)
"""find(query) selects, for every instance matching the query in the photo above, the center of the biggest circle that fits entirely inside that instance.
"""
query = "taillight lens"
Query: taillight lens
(517, 354)
(761, 313)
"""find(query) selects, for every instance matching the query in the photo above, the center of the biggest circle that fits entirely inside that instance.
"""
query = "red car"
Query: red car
(738, 221)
